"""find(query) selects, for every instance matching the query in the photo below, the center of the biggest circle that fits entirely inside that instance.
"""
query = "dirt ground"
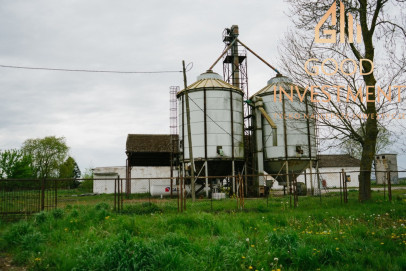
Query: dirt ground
(6, 263)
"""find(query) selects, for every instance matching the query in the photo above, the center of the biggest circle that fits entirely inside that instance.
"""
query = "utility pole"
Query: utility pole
(189, 135)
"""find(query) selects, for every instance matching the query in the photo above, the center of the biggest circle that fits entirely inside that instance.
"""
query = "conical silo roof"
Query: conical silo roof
(210, 79)
(279, 80)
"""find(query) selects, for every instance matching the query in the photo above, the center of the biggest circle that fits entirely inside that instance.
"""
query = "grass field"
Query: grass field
(269, 235)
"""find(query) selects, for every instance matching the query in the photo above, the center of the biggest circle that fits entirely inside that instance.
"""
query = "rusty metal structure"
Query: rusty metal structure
(235, 73)
(173, 120)
(235, 61)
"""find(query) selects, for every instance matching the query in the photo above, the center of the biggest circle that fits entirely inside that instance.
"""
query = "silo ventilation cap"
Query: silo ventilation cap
(280, 79)
(209, 74)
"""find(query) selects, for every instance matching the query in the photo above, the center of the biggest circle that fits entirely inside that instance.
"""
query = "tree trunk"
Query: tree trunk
(369, 144)
(368, 152)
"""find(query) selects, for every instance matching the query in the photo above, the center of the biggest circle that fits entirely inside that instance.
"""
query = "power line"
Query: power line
(84, 70)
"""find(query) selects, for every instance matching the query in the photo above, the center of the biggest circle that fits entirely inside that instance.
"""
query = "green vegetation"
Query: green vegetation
(15, 164)
(87, 183)
(266, 236)
(69, 170)
(48, 154)
(40, 158)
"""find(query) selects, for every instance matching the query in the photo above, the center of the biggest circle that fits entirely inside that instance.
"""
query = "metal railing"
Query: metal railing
(24, 197)
(214, 193)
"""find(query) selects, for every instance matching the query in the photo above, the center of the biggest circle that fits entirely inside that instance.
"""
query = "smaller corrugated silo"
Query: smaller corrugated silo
(285, 129)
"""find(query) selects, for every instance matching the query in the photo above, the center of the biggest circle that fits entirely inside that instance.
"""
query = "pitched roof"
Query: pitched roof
(338, 160)
(150, 143)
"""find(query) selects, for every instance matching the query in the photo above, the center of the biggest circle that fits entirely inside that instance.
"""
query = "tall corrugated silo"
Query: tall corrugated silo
(284, 130)
(217, 125)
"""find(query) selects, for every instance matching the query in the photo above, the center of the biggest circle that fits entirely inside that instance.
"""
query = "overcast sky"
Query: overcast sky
(94, 111)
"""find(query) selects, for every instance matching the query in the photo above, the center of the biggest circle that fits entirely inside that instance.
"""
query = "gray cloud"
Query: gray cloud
(95, 112)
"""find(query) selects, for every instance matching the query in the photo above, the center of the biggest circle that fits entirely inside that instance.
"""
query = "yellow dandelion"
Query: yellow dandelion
(252, 245)
(37, 259)
(107, 217)
(242, 257)
(337, 248)
(382, 243)
(250, 267)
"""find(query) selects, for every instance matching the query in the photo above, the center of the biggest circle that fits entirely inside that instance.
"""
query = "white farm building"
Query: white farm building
(330, 166)
(148, 166)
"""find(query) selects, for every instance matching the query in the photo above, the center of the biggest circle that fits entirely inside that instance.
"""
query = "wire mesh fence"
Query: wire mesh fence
(24, 197)
(212, 194)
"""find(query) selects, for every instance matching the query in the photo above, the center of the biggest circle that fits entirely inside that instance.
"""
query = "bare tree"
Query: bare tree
(355, 82)
(354, 148)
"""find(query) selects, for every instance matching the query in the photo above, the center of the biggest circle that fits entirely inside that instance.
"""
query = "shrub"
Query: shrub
(57, 213)
(40, 217)
(140, 209)
(16, 232)
(87, 185)
(102, 206)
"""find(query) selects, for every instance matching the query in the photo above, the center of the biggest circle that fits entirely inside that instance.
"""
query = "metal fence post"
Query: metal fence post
(56, 193)
(185, 195)
(43, 194)
(211, 194)
(318, 182)
(296, 195)
(389, 187)
(122, 197)
(345, 186)
(115, 194)
(290, 190)
(180, 194)
(384, 189)
(177, 190)
(341, 184)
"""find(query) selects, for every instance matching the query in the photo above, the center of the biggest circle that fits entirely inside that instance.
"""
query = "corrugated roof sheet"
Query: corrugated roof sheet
(150, 143)
(338, 160)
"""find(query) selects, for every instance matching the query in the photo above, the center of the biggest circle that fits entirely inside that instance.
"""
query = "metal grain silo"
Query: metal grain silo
(285, 129)
(217, 125)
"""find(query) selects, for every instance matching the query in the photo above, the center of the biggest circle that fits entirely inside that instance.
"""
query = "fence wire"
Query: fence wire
(213, 194)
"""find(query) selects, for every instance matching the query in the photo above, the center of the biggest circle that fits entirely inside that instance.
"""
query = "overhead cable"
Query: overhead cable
(85, 70)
